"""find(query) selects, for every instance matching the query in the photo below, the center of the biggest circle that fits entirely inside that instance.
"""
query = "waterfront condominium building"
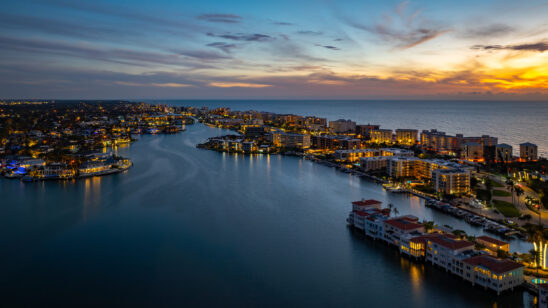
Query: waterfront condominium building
(342, 126)
(528, 151)
(381, 136)
(327, 142)
(354, 155)
(451, 181)
(453, 178)
(364, 131)
(496, 274)
(373, 163)
(438, 142)
(406, 136)
(294, 141)
(401, 167)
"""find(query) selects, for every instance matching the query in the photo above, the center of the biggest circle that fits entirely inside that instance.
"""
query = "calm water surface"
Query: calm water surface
(190, 227)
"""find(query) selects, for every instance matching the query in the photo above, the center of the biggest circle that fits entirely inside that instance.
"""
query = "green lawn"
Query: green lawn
(501, 193)
(496, 184)
(506, 208)
(483, 194)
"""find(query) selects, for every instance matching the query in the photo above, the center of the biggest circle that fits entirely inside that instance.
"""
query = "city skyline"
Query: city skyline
(282, 50)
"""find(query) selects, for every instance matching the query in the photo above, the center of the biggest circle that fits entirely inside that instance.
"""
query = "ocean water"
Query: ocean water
(512, 122)
(197, 228)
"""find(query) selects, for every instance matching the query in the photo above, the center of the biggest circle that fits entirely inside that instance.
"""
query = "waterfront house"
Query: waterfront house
(57, 171)
(249, 147)
(491, 273)
(442, 250)
(366, 204)
(493, 244)
(396, 228)
(93, 168)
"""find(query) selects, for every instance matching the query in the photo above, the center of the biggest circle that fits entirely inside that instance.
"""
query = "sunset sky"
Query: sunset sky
(274, 49)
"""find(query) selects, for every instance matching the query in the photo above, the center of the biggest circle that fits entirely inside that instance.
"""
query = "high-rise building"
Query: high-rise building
(439, 142)
(342, 126)
(451, 181)
(503, 153)
(381, 136)
(286, 140)
(406, 136)
(364, 131)
(472, 151)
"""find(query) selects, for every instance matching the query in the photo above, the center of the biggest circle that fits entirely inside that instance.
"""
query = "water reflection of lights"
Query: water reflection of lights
(416, 273)
(415, 203)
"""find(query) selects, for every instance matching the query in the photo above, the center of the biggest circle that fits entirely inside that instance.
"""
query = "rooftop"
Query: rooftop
(493, 264)
(366, 202)
(491, 240)
(404, 223)
(451, 243)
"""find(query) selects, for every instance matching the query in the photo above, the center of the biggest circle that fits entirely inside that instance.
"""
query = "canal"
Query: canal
(194, 227)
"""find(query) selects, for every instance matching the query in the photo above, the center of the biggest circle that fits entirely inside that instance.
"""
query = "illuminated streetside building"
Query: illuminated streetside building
(503, 153)
(472, 151)
(528, 151)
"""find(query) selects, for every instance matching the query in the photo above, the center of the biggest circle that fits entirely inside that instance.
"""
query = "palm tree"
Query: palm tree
(519, 191)
(390, 206)
(428, 225)
(510, 186)
(396, 212)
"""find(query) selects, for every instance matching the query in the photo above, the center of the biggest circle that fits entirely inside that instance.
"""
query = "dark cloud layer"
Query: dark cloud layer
(254, 37)
(539, 47)
(226, 47)
(222, 18)
(487, 31)
(309, 32)
(328, 47)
